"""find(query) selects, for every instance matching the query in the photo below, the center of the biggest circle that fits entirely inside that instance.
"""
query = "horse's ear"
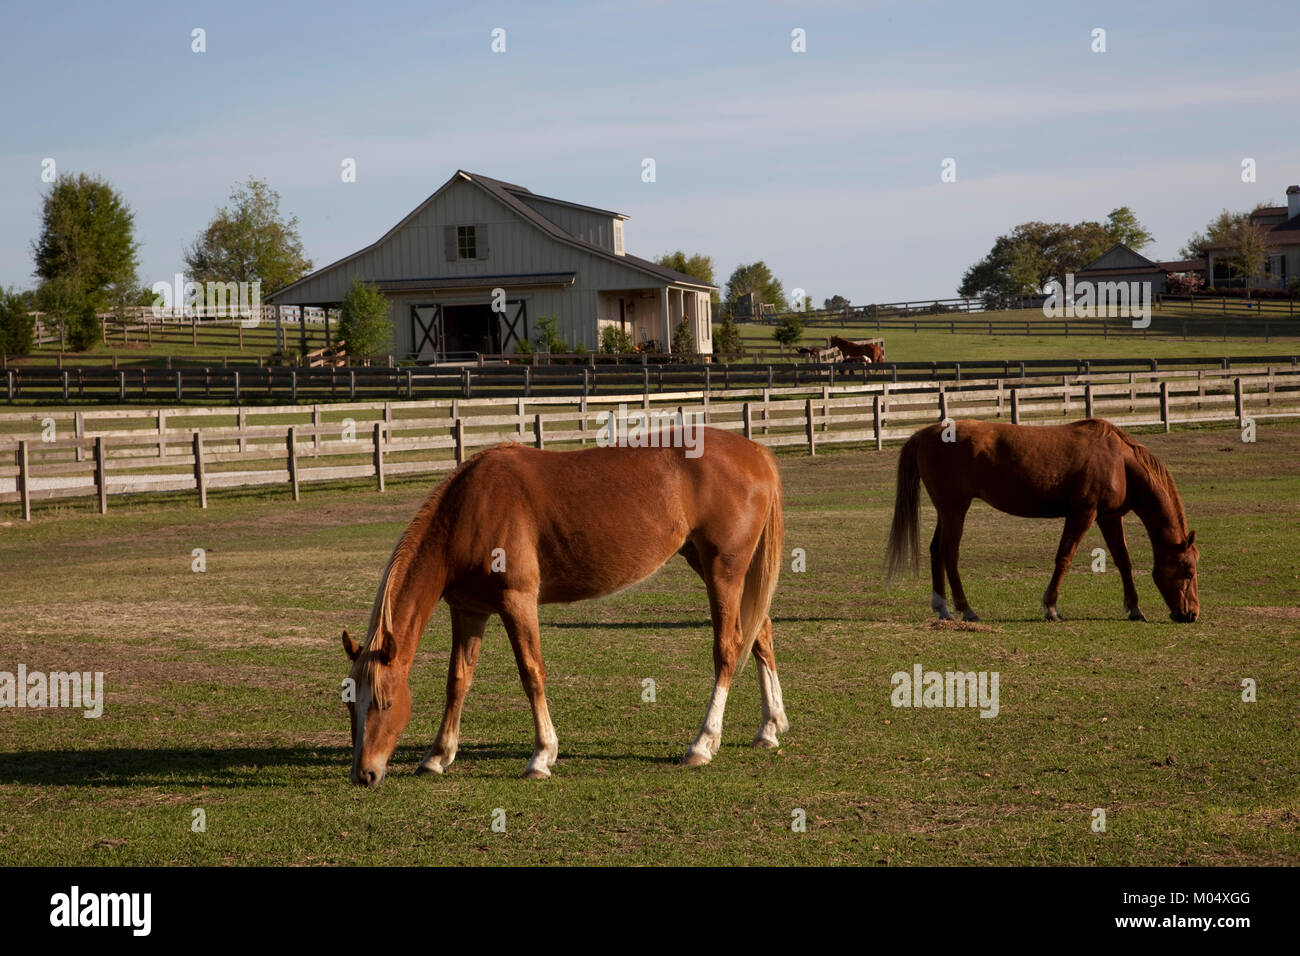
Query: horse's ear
(1191, 539)
(350, 647)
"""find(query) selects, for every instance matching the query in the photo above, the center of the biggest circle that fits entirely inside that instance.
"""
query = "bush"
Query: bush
(726, 338)
(580, 349)
(683, 341)
(615, 341)
(17, 328)
(548, 335)
(789, 332)
(366, 324)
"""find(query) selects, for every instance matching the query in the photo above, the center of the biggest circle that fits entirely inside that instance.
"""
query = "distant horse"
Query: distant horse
(515, 527)
(1085, 471)
(870, 351)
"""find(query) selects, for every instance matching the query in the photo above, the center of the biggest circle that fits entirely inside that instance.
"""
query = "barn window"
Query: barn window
(618, 237)
(466, 244)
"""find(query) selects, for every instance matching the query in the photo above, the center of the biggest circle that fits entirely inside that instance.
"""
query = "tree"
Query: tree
(683, 340)
(788, 332)
(1220, 229)
(87, 241)
(1033, 253)
(1249, 254)
(726, 338)
(249, 241)
(1122, 226)
(67, 308)
(548, 335)
(365, 323)
(758, 279)
(17, 327)
(836, 303)
(697, 266)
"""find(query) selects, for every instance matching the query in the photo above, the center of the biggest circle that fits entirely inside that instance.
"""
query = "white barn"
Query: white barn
(439, 266)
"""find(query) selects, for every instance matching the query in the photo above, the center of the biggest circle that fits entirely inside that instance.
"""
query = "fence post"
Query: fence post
(236, 386)
(465, 383)
(352, 385)
(24, 480)
(1015, 406)
(826, 409)
(79, 431)
(1087, 399)
(747, 414)
(539, 439)
(1241, 402)
(379, 454)
(162, 426)
(810, 428)
(1164, 404)
(317, 423)
(519, 419)
(877, 420)
(293, 460)
(199, 482)
(410, 385)
(64, 377)
(179, 395)
(101, 474)
(459, 430)
(767, 398)
(293, 386)
(9, 378)
(582, 408)
(943, 405)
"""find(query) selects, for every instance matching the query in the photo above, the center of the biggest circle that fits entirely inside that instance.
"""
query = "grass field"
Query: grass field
(222, 693)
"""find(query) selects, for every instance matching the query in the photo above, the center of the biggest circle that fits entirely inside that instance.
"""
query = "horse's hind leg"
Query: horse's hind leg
(938, 602)
(953, 521)
(519, 614)
(466, 639)
(769, 687)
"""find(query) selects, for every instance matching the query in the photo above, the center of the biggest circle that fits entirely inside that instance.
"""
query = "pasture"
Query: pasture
(222, 693)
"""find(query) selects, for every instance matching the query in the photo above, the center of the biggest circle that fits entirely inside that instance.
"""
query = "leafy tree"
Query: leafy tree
(548, 335)
(365, 324)
(615, 341)
(249, 241)
(836, 303)
(17, 327)
(1024, 259)
(87, 241)
(788, 332)
(697, 266)
(726, 338)
(683, 340)
(1122, 226)
(1249, 254)
(758, 279)
(70, 310)
(1220, 229)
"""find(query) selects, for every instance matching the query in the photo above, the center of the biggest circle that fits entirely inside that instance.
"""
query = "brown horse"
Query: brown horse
(515, 527)
(1084, 472)
(869, 351)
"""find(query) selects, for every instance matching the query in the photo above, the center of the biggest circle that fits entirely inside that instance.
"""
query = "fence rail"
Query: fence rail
(61, 453)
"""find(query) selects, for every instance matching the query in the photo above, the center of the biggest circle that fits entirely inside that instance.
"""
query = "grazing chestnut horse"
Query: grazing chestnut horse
(869, 351)
(1083, 472)
(515, 527)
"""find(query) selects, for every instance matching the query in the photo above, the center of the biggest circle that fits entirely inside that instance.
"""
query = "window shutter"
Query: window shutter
(481, 241)
(449, 242)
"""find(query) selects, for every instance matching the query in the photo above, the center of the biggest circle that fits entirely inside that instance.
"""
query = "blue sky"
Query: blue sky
(824, 164)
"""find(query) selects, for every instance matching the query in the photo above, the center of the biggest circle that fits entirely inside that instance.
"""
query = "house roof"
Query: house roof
(1184, 265)
(509, 193)
(1133, 261)
(521, 281)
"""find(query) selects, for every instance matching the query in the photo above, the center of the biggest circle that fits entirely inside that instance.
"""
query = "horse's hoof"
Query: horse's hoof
(1053, 615)
(765, 743)
(694, 758)
(1137, 615)
(536, 773)
(945, 616)
(430, 766)
(970, 616)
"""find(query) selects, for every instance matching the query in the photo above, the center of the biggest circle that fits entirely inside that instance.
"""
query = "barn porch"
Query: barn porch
(650, 315)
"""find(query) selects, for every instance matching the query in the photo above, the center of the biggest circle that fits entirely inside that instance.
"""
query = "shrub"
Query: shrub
(683, 341)
(726, 338)
(615, 341)
(17, 328)
(789, 332)
(548, 335)
(366, 324)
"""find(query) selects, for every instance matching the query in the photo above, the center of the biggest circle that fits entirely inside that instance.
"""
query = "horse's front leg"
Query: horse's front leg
(519, 614)
(466, 639)
(1076, 526)
(1112, 529)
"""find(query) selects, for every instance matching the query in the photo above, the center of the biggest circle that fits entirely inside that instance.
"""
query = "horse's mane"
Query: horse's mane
(1162, 482)
(379, 646)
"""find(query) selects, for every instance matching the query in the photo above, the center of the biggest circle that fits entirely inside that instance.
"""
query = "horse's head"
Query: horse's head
(379, 712)
(1175, 576)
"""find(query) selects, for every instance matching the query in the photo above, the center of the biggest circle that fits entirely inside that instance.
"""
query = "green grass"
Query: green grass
(222, 694)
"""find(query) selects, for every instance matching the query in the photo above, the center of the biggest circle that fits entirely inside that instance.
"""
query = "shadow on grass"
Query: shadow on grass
(190, 767)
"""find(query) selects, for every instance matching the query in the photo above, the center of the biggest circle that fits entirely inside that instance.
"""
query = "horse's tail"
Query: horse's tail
(904, 533)
(764, 570)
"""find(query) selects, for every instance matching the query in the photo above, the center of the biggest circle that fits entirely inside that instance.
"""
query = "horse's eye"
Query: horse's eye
(387, 704)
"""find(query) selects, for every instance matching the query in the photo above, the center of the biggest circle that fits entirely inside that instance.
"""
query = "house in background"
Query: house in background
(440, 265)
(1282, 226)
(1119, 263)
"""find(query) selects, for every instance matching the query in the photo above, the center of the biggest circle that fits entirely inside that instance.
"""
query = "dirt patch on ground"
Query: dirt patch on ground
(1274, 613)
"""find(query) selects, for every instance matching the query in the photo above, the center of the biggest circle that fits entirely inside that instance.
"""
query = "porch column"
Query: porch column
(664, 317)
(327, 326)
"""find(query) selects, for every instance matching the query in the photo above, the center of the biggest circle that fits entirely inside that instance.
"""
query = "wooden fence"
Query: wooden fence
(64, 454)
